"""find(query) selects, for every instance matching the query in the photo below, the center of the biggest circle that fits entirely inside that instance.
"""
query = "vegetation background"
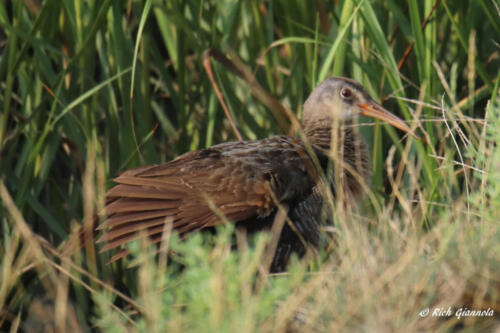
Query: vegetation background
(90, 88)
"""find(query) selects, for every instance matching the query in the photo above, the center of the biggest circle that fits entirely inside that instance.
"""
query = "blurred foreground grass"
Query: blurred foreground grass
(91, 88)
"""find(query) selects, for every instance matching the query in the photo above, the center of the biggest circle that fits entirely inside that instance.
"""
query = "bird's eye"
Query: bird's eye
(346, 93)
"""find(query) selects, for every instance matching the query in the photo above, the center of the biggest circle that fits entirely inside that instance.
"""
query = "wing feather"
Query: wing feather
(238, 181)
(127, 205)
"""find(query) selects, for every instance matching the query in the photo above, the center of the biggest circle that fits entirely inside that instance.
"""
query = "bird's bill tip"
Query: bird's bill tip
(376, 111)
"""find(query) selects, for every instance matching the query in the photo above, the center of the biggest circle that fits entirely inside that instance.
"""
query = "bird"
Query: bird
(246, 182)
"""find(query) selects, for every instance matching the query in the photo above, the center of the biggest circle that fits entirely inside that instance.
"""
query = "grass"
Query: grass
(92, 88)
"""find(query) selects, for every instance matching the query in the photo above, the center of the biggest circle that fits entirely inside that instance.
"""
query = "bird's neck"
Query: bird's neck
(319, 134)
(353, 159)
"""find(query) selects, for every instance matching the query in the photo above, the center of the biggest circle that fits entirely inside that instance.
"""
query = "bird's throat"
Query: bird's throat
(347, 150)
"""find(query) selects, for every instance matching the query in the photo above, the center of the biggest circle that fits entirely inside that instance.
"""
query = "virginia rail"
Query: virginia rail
(246, 181)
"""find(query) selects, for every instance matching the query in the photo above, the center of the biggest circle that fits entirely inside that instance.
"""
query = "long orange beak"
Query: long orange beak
(378, 112)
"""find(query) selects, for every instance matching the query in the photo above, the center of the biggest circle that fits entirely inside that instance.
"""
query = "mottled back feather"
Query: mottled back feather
(235, 181)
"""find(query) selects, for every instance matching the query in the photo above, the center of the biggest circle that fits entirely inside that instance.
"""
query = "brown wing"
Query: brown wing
(237, 181)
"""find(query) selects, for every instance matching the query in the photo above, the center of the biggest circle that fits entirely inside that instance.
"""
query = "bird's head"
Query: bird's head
(342, 100)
